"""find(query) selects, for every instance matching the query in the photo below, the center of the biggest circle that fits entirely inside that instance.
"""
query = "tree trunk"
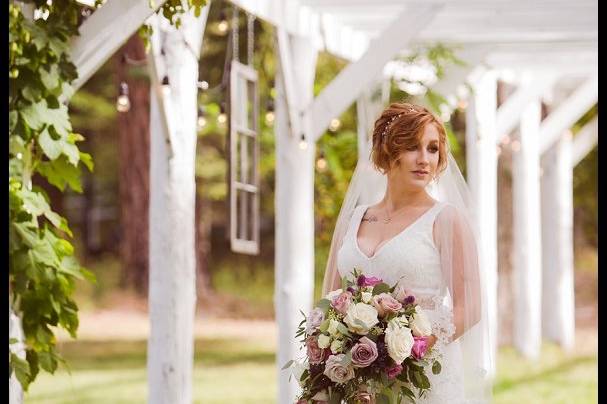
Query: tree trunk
(134, 163)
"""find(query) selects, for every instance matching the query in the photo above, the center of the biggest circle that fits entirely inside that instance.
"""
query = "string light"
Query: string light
(321, 163)
(462, 104)
(166, 86)
(303, 145)
(123, 104)
(223, 23)
(201, 120)
(222, 118)
(334, 125)
(203, 85)
(270, 111)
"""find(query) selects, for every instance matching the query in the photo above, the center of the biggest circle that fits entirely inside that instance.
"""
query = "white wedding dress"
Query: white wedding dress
(412, 259)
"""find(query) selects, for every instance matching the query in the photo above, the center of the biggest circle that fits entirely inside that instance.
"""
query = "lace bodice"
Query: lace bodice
(410, 257)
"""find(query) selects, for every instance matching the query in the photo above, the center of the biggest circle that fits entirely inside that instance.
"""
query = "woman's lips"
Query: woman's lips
(420, 173)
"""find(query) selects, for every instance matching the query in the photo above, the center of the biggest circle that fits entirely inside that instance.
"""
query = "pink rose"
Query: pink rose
(367, 281)
(394, 371)
(315, 353)
(420, 345)
(302, 401)
(342, 302)
(364, 352)
(365, 398)
(385, 304)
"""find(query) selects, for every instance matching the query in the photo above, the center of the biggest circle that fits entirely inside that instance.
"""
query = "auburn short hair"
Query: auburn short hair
(399, 127)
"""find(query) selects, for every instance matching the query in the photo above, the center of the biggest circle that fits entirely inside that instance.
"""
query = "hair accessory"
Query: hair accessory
(385, 131)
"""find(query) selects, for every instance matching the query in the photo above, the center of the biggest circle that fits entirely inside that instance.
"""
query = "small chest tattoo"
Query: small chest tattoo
(370, 218)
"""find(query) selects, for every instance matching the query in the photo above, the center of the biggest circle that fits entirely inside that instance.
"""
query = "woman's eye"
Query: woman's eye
(433, 149)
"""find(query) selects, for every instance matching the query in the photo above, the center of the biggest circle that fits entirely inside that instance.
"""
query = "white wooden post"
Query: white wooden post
(15, 391)
(527, 235)
(172, 292)
(558, 301)
(481, 170)
(294, 251)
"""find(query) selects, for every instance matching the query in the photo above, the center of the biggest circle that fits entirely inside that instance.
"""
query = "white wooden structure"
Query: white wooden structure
(546, 46)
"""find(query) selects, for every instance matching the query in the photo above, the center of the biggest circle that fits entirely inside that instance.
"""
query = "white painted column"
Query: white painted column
(527, 266)
(172, 292)
(15, 391)
(558, 301)
(481, 173)
(294, 200)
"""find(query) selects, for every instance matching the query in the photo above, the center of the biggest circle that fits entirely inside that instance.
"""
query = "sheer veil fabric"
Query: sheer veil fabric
(461, 265)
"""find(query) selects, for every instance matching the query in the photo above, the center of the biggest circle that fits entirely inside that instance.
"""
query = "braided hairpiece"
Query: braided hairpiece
(395, 117)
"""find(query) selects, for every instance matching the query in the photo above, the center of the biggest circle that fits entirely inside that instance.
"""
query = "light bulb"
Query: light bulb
(303, 145)
(334, 125)
(269, 117)
(123, 104)
(222, 118)
(201, 121)
(462, 104)
(166, 86)
(321, 164)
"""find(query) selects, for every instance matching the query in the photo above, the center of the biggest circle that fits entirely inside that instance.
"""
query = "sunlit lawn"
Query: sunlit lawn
(239, 371)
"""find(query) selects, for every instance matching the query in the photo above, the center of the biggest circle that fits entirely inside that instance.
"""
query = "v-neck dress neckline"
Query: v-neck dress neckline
(381, 246)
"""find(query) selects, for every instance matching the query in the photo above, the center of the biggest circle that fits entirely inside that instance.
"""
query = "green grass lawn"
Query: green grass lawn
(241, 371)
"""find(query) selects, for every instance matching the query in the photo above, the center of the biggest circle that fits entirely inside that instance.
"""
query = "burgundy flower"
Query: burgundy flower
(410, 299)
(367, 281)
(351, 290)
(420, 346)
(394, 371)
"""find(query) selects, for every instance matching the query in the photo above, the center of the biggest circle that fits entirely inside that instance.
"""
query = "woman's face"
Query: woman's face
(418, 164)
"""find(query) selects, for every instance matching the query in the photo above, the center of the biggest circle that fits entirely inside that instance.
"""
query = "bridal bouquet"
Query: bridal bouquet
(364, 343)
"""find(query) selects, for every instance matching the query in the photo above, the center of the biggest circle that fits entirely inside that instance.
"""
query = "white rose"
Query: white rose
(366, 296)
(420, 325)
(332, 295)
(360, 317)
(399, 342)
(324, 341)
(398, 322)
(336, 345)
(333, 327)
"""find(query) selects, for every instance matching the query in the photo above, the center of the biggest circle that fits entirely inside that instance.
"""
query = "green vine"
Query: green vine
(42, 264)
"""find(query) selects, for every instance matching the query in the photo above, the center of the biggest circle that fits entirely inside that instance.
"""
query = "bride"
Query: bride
(418, 234)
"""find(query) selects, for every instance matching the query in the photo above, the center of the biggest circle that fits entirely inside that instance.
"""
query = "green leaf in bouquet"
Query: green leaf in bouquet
(344, 283)
(343, 330)
(407, 392)
(425, 382)
(304, 316)
(381, 288)
(347, 359)
(304, 375)
(359, 323)
(436, 367)
(324, 326)
(323, 304)
(288, 364)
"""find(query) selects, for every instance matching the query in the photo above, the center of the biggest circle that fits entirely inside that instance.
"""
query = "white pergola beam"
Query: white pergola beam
(568, 112)
(584, 141)
(509, 113)
(102, 34)
(341, 92)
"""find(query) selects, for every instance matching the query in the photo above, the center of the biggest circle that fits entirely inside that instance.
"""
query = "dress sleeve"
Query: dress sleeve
(456, 243)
